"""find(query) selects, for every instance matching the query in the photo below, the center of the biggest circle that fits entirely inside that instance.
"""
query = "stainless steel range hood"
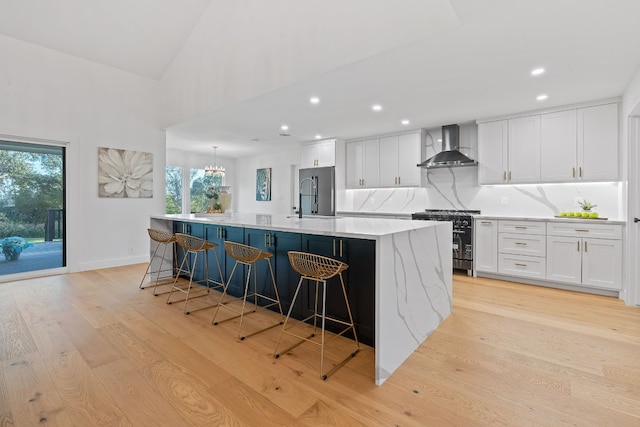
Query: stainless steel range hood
(450, 156)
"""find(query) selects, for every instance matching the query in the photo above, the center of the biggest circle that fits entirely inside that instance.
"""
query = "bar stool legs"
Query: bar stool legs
(318, 269)
(164, 239)
(194, 246)
(248, 255)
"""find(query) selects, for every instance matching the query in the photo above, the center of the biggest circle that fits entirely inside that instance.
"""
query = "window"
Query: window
(199, 183)
(174, 190)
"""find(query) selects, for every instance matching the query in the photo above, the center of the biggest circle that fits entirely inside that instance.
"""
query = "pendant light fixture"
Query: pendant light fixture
(215, 169)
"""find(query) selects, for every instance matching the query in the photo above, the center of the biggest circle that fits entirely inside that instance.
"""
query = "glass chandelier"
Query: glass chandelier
(214, 169)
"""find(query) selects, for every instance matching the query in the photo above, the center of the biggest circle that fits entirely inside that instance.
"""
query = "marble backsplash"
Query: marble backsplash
(457, 188)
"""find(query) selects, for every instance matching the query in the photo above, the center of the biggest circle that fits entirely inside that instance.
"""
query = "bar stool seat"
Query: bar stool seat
(164, 239)
(249, 256)
(194, 246)
(318, 269)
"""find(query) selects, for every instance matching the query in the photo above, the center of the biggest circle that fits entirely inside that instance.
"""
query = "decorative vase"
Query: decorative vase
(12, 256)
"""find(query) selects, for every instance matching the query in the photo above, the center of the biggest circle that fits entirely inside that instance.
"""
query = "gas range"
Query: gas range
(462, 233)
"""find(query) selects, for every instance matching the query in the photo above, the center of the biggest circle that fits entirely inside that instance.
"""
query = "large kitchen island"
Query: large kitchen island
(399, 278)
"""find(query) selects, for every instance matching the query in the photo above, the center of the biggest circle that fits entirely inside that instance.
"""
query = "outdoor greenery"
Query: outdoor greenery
(174, 190)
(199, 185)
(30, 184)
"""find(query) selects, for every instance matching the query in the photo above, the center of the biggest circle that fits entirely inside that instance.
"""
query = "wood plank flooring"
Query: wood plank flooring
(91, 349)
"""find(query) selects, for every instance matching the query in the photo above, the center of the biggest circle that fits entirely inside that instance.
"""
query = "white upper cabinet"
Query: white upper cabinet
(558, 144)
(580, 144)
(363, 162)
(509, 151)
(598, 143)
(524, 150)
(577, 144)
(492, 152)
(400, 156)
(319, 154)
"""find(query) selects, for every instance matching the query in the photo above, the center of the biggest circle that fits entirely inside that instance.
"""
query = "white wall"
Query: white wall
(281, 165)
(52, 96)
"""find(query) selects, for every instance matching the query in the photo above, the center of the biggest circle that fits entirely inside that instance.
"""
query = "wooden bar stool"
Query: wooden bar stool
(195, 246)
(318, 269)
(249, 256)
(164, 239)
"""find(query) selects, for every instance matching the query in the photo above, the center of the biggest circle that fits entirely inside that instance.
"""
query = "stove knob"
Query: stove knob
(465, 223)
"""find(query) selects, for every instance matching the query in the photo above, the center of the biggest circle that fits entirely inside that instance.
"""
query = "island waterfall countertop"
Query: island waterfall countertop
(359, 228)
(412, 267)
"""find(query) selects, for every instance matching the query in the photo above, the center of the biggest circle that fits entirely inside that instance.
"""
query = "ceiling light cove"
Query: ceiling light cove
(542, 97)
(376, 107)
(537, 71)
(284, 127)
(314, 100)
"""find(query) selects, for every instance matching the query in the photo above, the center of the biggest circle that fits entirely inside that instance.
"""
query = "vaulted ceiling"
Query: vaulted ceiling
(472, 59)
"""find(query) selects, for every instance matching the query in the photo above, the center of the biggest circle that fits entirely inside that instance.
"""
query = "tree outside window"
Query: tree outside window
(174, 190)
(199, 183)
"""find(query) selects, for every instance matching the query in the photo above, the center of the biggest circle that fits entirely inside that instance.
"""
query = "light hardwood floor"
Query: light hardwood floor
(90, 348)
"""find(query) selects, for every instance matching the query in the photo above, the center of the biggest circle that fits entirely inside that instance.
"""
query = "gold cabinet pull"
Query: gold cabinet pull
(580, 169)
(578, 242)
(520, 227)
(334, 247)
(573, 172)
(520, 265)
(504, 175)
(486, 222)
(340, 247)
(521, 243)
(581, 230)
(509, 175)
(585, 246)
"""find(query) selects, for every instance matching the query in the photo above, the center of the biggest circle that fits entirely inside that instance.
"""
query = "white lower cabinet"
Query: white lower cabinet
(486, 245)
(522, 248)
(571, 252)
(585, 261)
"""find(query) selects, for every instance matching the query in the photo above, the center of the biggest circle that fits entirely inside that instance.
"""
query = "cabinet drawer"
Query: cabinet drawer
(569, 229)
(525, 227)
(522, 244)
(522, 265)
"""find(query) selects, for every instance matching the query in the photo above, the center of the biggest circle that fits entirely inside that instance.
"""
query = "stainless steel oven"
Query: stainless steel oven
(462, 221)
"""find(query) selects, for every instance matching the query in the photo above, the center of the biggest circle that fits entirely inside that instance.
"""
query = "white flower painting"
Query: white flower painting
(124, 173)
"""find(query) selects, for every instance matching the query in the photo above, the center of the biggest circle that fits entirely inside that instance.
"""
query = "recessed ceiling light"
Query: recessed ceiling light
(537, 71)
(318, 136)
(542, 97)
(376, 107)
(314, 100)
(440, 140)
(405, 122)
(284, 127)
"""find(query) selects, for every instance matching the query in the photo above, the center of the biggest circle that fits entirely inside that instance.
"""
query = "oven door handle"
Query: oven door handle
(458, 232)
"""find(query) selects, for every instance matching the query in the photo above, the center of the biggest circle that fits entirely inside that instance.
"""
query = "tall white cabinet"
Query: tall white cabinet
(319, 154)
(485, 245)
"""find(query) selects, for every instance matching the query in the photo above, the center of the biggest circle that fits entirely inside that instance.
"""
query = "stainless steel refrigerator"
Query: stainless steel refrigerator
(317, 191)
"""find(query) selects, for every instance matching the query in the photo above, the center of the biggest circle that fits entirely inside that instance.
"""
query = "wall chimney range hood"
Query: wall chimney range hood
(450, 156)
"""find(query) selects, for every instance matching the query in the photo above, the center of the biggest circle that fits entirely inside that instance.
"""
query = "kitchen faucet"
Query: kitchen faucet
(313, 187)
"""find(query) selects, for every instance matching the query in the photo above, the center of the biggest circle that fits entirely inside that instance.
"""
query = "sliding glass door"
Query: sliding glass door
(32, 207)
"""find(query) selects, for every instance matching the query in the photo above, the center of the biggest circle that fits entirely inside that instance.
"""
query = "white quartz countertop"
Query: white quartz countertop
(551, 219)
(362, 228)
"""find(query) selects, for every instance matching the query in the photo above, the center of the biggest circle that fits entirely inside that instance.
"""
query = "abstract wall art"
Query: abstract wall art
(263, 184)
(124, 173)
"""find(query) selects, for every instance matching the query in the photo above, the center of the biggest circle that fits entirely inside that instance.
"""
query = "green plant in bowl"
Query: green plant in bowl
(586, 205)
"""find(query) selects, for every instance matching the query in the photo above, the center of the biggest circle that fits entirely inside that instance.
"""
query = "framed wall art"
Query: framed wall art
(124, 173)
(263, 184)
